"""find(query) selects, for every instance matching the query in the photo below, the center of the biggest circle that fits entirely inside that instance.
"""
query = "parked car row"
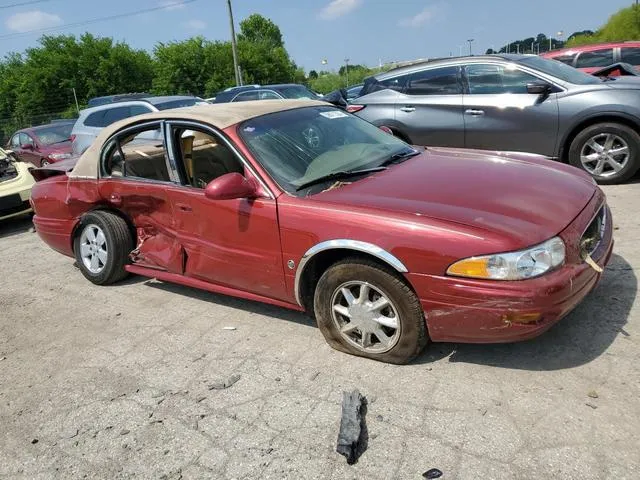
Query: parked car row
(300, 204)
(43, 144)
(15, 186)
(590, 58)
(513, 103)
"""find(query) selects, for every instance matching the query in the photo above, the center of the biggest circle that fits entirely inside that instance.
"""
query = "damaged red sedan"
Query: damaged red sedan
(299, 204)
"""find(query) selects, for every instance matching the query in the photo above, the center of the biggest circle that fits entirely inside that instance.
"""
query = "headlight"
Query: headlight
(520, 265)
(59, 156)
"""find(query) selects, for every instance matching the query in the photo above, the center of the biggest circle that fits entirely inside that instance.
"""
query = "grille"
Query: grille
(594, 233)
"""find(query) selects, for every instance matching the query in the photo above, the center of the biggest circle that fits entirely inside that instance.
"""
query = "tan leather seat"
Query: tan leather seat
(206, 160)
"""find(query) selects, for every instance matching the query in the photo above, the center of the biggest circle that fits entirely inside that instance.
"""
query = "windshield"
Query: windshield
(184, 102)
(296, 92)
(299, 146)
(54, 134)
(559, 70)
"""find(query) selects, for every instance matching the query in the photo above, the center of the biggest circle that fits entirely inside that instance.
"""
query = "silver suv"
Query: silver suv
(515, 103)
(92, 120)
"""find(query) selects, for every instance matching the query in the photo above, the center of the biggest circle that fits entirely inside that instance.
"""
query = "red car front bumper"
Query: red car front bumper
(480, 311)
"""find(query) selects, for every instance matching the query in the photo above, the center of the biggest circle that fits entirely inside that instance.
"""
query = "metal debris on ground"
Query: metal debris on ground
(432, 473)
(225, 383)
(352, 438)
(229, 328)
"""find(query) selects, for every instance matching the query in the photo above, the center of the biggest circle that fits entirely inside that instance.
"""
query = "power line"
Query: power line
(20, 4)
(96, 20)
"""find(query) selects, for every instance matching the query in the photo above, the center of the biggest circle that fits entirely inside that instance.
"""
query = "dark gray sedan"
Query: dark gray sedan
(514, 103)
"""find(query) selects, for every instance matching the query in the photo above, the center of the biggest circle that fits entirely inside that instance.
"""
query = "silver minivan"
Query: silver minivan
(92, 120)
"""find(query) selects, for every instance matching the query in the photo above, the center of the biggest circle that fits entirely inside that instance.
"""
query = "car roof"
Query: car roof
(152, 100)
(219, 115)
(590, 48)
(506, 57)
(42, 127)
(166, 98)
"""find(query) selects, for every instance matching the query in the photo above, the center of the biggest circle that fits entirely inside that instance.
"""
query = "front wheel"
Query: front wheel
(367, 310)
(609, 152)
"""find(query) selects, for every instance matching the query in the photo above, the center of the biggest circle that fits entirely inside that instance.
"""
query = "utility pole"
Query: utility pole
(233, 46)
(470, 40)
(75, 97)
(346, 70)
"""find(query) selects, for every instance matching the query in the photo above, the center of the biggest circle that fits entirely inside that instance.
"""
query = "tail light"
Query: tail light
(354, 108)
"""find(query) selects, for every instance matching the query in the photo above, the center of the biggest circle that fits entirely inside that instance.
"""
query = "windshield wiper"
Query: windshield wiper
(402, 155)
(339, 175)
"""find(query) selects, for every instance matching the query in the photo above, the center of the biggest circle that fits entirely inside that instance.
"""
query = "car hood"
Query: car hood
(524, 197)
(624, 82)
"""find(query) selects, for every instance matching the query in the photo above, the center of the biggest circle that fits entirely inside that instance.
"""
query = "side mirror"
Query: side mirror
(26, 146)
(538, 88)
(230, 186)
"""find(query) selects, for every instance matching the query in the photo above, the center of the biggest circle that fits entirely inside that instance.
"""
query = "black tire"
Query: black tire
(413, 334)
(401, 136)
(119, 243)
(627, 134)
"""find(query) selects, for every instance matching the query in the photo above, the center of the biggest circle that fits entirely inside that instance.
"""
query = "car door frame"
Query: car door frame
(146, 204)
(202, 250)
(557, 90)
(407, 102)
(30, 156)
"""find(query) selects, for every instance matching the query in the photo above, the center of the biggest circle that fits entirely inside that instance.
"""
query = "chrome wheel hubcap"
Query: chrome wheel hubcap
(604, 155)
(93, 248)
(365, 317)
(312, 137)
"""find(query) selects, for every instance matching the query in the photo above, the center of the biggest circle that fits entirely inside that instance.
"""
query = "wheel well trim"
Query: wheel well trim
(344, 244)
(593, 118)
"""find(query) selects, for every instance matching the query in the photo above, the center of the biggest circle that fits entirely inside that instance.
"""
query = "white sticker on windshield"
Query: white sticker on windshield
(333, 114)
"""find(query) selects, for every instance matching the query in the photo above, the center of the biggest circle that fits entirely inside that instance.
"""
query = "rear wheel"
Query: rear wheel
(102, 247)
(367, 310)
(609, 152)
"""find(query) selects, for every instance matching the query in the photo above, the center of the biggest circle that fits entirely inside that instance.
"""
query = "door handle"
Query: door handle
(408, 109)
(183, 207)
(115, 199)
(474, 112)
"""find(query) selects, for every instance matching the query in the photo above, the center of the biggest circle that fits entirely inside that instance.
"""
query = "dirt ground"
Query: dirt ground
(124, 381)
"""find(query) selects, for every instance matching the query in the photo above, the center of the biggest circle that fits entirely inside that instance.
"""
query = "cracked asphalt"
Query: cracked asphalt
(128, 381)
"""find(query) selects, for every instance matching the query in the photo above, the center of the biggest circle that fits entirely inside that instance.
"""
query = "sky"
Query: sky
(363, 31)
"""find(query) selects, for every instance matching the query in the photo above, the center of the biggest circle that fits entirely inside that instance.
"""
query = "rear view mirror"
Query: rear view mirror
(230, 186)
(538, 88)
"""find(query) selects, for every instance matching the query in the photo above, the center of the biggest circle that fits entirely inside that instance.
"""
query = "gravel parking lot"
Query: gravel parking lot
(124, 381)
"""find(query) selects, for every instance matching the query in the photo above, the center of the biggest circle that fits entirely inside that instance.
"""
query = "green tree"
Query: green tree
(313, 75)
(201, 67)
(622, 25)
(258, 29)
(39, 84)
(182, 67)
(327, 82)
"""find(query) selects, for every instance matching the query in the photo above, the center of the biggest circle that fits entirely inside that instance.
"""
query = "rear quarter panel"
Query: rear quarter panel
(58, 203)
